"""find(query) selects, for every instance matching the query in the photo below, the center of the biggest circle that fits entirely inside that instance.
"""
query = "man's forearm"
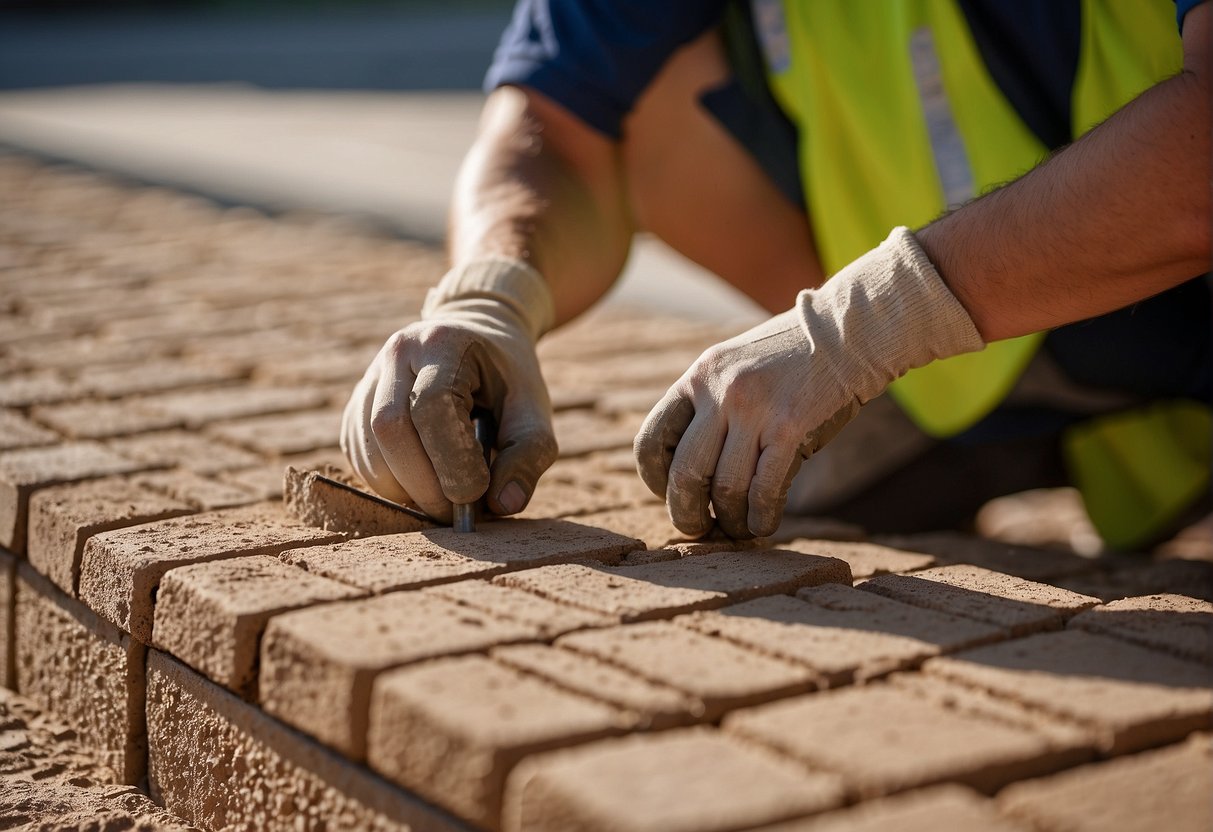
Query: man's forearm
(540, 186)
(1120, 215)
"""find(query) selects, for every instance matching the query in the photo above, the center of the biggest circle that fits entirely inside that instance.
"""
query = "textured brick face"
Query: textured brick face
(696, 780)
(121, 569)
(23, 472)
(1174, 624)
(63, 517)
(452, 729)
(719, 674)
(883, 741)
(317, 665)
(1130, 697)
(212, 615)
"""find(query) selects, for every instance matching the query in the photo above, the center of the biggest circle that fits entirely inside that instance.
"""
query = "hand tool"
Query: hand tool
(482, 423)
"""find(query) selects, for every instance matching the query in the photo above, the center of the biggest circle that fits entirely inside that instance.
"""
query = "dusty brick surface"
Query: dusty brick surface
(649, 523)
(223, 764)
(914, 742)
(197, 408)
(934, 809)
(865, 559)
(211, 615)
(121, 569)
(1127, 696)
(278, 435)
(1020, 605)
(23, 472)
(1169, 786)
(451, 730)
(16, 431)
(318, 665)
(1177, 577)
(99, 419)
(744, 575)
(155, 376)
(201, 493)
(1022, 561)
(716, 672)
(63, 517)
(651, 705)
(83, 669)
(388, 562)
(37, 387)
(548, 618)
(694, 780)
(181, 449)
(1173, 624)
(606, 591)
(842, 634)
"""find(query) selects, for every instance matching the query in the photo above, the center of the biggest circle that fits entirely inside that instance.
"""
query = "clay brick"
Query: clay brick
(581, 432)
(25, 471)
(744, 575)
(387, 563)
(919, 741)
(153, 376)
(71, 662)
(796, 527)
(211, 615)
(1174, 624)
(221, 763)
(865, 559)
(692, 780)
(92, 419)
(569, 491)
(1179, 577)
(1127, 696)
(319, 499)
(1020, 605)
(849, 636)
(121, 569)
(936, 809)
(63, 517)
(179, 449)
(18, 432)
(8, 635)
(451, 730)
(548, 618)
(38, 387)
(199, 492)
(1021, 561)
(650, 704)
(337, 364)
(1164, 789)
(317, 665)
(650, 523)
(198, 408)
(436, 555)
(721, 675)
(287, 433)
(604, 590)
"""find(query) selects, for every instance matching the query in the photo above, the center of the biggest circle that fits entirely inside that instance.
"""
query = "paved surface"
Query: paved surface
(583, 667)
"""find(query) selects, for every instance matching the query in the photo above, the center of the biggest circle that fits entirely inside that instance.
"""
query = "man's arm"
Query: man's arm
(1120, 215)
(541, 186)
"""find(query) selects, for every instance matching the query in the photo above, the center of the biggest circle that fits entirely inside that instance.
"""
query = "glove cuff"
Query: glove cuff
(889, 312)
(505, 280)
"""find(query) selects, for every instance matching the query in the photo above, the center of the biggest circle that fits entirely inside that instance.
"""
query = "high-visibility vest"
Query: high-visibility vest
(899, 119)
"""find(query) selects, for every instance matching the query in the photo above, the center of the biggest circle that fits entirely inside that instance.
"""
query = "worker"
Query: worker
(1038, 171)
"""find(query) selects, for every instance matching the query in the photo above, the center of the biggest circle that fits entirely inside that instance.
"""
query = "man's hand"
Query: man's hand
(735, 428)
(407, 429)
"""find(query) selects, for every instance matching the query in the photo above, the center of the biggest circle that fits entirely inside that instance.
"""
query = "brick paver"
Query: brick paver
(865, 559)
(1171, 623)
(452, 729)
(179, 448)
(934, 809)
(696, 780)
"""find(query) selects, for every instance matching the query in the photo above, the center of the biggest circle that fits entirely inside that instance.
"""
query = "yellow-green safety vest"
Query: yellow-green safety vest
(898, 120)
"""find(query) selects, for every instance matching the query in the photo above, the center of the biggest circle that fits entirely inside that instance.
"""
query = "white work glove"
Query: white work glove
(407, 429)
(734, 430)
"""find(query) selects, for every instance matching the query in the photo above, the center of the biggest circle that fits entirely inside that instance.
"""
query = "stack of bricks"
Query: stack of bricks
(582, 667)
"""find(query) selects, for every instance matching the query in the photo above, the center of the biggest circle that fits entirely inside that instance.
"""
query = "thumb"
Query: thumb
(526, 447)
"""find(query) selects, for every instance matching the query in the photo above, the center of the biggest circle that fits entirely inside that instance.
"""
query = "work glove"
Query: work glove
(407, 429)
(734, 430)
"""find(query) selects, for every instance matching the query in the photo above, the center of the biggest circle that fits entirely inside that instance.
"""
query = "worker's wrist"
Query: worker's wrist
(512, 283)
(887, 312)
